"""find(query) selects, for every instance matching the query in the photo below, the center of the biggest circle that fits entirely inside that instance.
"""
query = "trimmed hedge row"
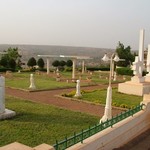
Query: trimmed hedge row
(98, 68)
(124, 71)
(6, 69)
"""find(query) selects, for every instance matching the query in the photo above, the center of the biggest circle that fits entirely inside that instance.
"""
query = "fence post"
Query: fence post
(112, 119)
(56, 146)
(89, 131)
(95, 128)
(82, 136)
(66, 142)
(74, 138)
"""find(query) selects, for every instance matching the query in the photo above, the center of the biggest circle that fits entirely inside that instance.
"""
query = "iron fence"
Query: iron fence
(84, 134)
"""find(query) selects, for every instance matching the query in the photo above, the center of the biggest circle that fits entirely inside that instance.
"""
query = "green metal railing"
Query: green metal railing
(84, 134)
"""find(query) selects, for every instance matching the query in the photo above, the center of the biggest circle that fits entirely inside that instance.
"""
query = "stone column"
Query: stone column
(73, 68)
(141, 51)
(147, 77)
(32, 85)
(148, 61)
(78, 92)
(2, 94)
(83, 66)
(47, 65)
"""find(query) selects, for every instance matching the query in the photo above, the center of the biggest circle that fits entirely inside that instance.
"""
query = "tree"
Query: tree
(62, 63)
(124, 53)
(4, 62)
(12, 63)
(31, 62)
(11, 55)
(69, 63)
(40, 63)
(56, 63)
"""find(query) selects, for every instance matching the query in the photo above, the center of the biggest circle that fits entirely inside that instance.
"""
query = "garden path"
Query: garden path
(49, 97)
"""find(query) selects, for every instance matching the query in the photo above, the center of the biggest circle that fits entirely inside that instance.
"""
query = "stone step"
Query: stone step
(16, 146)
(44, 147)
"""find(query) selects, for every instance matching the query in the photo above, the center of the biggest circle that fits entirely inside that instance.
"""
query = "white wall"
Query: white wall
(120, 134)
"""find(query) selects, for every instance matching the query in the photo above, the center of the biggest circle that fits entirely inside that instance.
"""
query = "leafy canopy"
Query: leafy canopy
(124, 53)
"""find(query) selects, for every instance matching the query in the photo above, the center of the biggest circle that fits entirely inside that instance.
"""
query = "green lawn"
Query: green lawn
(22, 81)
(38, 123)
(44, 81)
(118, 99)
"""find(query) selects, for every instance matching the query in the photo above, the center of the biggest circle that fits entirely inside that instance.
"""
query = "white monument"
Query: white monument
(78, 92)
(4, 113)
(2, 94)
(115, 76)
(147, 77)
(137, 85)
(32, 85)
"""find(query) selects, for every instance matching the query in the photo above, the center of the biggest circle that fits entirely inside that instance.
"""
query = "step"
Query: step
(16, 146)
(44, 147)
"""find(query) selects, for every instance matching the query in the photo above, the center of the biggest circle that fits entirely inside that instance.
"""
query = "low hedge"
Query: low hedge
(6, 69)
(98, 68)
(124, 71)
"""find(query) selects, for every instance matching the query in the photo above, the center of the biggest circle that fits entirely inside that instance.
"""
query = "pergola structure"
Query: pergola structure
(74, 58)
(47, 58)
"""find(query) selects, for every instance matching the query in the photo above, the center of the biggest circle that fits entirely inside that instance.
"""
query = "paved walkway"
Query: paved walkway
(49, 97)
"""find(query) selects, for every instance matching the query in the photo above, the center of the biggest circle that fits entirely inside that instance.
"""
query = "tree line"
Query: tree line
(12, 59)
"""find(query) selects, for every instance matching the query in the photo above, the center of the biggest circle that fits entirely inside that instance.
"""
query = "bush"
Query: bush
(3, 69)
(124, 71)
(98, 68)
(71, 94)
(68, 69)
(124, 106)
(42, 69)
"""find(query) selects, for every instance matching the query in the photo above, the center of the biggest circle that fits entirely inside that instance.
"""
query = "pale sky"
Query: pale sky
(85, 23)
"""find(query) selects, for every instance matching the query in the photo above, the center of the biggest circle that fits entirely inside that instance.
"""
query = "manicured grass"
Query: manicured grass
(22, 81)
(44, 81)
(118, 99)
(38, 123)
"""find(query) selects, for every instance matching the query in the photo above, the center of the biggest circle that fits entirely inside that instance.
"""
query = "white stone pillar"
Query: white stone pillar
(115, 76)
(148, 61)
(83, 66)
(147, 77)
(73, 68)
(47, 65)
(32, 85)
(141, 51)
(2, 94)
(78, 92)
(113, 66)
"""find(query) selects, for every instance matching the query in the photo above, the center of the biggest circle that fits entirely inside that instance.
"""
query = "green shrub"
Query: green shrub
(71, 94)
(124, 71)
(3, 69)
(98, 68)
(124, 106)
(68, 69)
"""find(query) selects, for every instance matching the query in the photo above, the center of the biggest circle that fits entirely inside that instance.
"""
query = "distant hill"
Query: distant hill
(28, 51)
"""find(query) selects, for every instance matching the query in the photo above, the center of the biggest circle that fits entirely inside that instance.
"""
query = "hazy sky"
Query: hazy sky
(89, 23)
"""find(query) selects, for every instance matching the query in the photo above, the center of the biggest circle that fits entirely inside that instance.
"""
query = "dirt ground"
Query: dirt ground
(49, 97)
